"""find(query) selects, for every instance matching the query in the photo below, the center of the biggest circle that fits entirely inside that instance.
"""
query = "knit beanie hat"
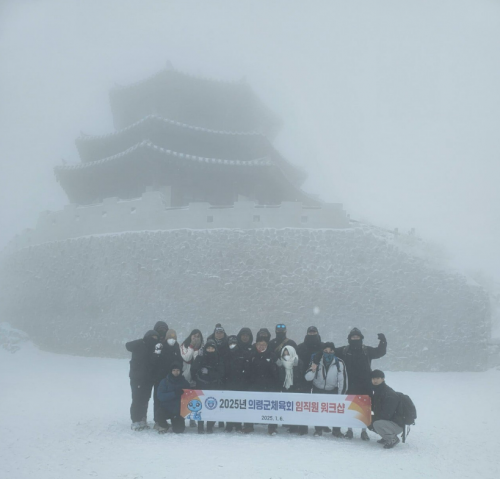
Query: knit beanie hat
(175, 365)
(377, 373)
(171, 334)
(219, 328)
(329, 344)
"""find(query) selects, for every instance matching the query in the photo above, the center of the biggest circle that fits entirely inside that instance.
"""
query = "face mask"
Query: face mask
(312, 339)
(232, 346)
(356, 343)
(280, 335)
(171, 341)
(286, 358)
(328, 357)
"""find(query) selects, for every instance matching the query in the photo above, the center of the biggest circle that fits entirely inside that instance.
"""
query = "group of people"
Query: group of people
(162, 366)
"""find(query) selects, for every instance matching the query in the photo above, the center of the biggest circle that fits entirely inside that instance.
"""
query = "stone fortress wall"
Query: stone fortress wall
(153, 212)
(90, 295)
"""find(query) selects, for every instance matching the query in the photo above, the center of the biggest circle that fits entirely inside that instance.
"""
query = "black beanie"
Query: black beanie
(161, 327)
(377, 373)
(355, 332)
(329, 344)
(176, 365)
(312, 329)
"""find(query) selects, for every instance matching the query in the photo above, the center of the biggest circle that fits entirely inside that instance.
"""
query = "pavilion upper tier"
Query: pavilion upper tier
(196, 101)
(187, 139)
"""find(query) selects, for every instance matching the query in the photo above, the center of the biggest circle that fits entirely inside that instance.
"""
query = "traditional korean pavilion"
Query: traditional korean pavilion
(192, 138)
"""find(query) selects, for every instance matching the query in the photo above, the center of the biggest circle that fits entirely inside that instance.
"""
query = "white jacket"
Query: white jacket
(329, 380)
(188, 355)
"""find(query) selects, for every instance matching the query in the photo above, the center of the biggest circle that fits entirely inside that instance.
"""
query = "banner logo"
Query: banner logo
(211, 403)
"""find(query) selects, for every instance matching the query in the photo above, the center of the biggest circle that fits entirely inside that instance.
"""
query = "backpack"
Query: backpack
(408, 412)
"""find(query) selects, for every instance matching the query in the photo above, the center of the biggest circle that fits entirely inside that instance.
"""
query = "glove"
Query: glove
(158, 348)
(179, 392)
(204, 370)
(381, 336)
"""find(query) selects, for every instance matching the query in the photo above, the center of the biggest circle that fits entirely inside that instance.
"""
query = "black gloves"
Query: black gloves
(381, 336)
(179, 392)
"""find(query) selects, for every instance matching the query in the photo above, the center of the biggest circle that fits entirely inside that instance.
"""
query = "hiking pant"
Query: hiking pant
(141, 393)
(387, 429)
(178, 423)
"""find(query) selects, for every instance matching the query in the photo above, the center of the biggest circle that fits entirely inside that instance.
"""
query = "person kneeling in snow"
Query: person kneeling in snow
(386, 420)
(169, 396)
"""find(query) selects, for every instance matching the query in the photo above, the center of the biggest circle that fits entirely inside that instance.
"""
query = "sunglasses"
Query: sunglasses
(280, 326)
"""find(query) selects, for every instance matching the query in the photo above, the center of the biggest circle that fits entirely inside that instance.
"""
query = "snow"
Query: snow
(68, 417)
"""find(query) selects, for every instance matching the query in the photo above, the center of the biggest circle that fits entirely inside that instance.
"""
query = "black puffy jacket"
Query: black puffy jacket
(169, 355)
(306, 350)
(385, 404)
(237, 370)
(263, 372)
(144, 360)
(358, 363)
(208, 371)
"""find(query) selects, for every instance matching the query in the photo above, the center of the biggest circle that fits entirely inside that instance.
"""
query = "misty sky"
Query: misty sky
(392, 107)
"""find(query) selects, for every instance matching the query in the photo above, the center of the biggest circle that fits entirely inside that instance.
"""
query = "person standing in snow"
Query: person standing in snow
(236, 373)
(170, 391)
(220, 338)
(386, 420)
(170, 353)
(328, 375)
(310, 347)
(358, 359)
(190, 349)
(142, 366)
(263, 375)
(245, 340)
(208, 373)
(291, 377)
(280, 341)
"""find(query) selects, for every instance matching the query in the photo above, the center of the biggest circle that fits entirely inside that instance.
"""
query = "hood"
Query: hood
(354, 332)
(263, 332)
(161, 327)
(150, 334)
(247, 331)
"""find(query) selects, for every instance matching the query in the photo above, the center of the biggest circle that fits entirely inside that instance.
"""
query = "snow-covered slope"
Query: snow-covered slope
(66, 417)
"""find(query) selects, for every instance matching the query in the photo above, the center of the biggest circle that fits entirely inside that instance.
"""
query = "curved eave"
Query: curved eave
(167, 154)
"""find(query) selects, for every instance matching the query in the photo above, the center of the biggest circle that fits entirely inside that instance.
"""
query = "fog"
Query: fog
(392, 107)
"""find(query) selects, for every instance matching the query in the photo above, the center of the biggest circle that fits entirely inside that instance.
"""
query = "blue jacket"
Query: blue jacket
(169, 401)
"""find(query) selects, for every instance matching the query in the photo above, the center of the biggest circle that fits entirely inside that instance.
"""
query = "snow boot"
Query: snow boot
(137, 426)
(229, 428)
(349, 434)
(364, 435)
(221, 424)
(160, 429)
(201, 428)
(336, 432)
(210, 429)
(247, 429)
(381, 441)
(318, 432)
(391, 444)
(192, 423)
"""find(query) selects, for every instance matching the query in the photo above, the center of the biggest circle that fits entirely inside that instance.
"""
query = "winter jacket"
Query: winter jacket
(331, 379)
(188, 355)
(208, 371)
(245, 346)
(276, 346)
(263, 372)
(358, 363)
(299, 383)
(169, 355)
(237, 370)
(166, 395)
(385, 404)
(144, 360)
(311, 346)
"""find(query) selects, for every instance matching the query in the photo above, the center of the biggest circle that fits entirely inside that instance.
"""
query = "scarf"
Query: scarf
(292, 361)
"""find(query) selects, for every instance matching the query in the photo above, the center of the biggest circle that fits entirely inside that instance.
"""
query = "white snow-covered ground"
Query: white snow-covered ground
(68, 417)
